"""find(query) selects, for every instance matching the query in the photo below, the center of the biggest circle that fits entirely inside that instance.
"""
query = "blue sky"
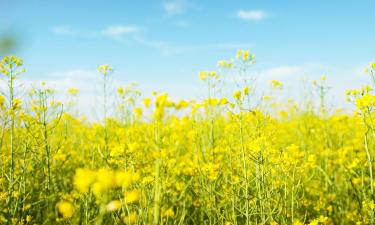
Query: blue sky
(162, 44)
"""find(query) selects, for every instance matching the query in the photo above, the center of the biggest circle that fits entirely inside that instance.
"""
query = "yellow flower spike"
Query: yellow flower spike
(323, 78)
(66, 209)
(372, 65)
(10, 65)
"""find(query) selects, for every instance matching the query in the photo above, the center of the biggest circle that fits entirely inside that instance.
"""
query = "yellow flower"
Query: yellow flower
(245, 56)
(169, 213)
(16, 104)
(28, 218)
(202, 76)
(120, 90)
(246, 90)
(297, 222)
(83, 179)
(10, 66)
(66, 209)
(114, 205)
(223, 101)
(105, 69)
(137, 112)
(276, 84)
(132, 196)
(2, 100)
(224, 64)
(125, 179)
(147, 102)
(237, 95)
(73, 91)
(130, 219)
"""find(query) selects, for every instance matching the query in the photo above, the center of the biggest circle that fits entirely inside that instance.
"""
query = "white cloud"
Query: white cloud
(175, 6)
(167, 48)
(113, 31)
(283, 71)
(119, 30)
(251, 15)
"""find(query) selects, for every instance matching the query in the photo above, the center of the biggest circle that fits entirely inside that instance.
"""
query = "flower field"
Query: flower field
(232, 159)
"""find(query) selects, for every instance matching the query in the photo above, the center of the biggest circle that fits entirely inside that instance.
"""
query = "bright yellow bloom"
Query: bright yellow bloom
(276, 84)
(113, 206)
(137, 112)
(169, 213)
(73, 91)
(66, 209)
(130, 219)
(105, 69)
(237, 95)
(83, 179)
(132, 196)
(10, 66)
(224, 64)
(246, 90)
(147, 102)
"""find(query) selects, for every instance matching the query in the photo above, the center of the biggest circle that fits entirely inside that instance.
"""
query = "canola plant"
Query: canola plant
(228, 159)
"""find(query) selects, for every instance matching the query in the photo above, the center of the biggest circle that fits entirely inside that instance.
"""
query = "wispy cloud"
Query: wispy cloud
(116, 31)
(112, 31)
(126, 34)
(251, 15)
(176, 6)
(168, 49)
(283, 71)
